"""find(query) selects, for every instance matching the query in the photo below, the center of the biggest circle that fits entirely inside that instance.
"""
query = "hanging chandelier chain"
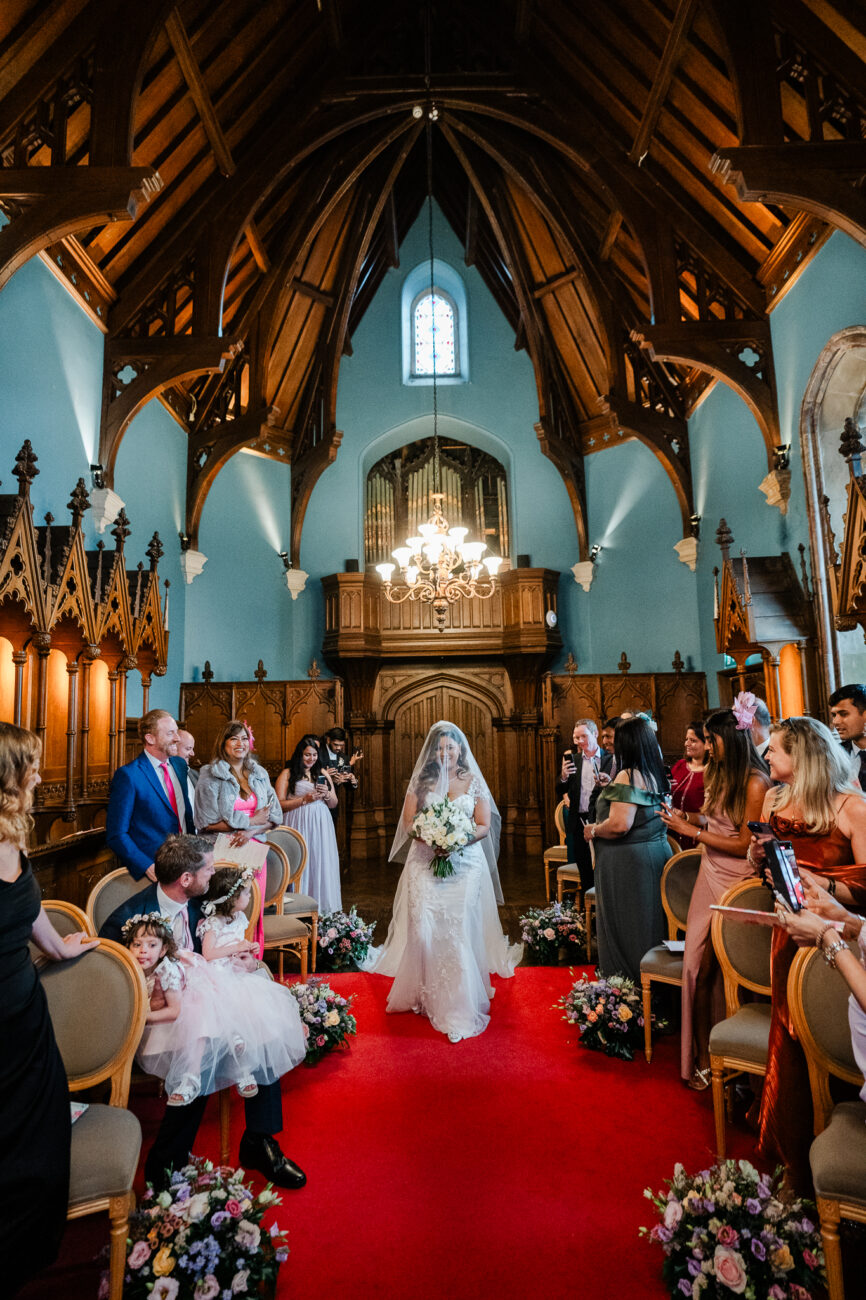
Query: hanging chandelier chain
(436, 482)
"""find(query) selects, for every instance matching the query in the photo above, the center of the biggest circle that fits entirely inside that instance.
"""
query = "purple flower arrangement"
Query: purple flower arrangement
(730, 1231)
(344, 940)
(326, 1017)
(547, 929)
(202, 1239)
(609, 1015)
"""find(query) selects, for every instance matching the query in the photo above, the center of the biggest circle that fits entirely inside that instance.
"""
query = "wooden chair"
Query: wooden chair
(739, 1043)
(67, 918)
(109, 892)
(818, 1001)
(677, 884)
(557, 854)
(296, 904)
(282, 932)
(98, 1005)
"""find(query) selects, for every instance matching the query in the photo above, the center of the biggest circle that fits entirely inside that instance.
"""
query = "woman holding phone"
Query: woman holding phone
(735, 784)
(306, 792)
(818, 810)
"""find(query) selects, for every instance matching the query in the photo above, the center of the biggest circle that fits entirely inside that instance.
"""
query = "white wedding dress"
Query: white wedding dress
(445, 939)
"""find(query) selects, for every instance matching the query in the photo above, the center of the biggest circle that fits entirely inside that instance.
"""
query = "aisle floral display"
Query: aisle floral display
(344, 940)
(202, 1238)
(728, 1231)
(326, 1017)
(609, 1015)
(547, 929)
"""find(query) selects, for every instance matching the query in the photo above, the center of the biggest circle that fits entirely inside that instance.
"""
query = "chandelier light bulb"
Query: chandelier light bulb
(492, 563)
(473, 551)
(411, 575)
(402, 555)
(458, 536)
(414, 543)
(385, 570)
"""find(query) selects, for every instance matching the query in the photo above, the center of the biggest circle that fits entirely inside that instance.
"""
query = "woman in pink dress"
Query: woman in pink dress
(687, 775)
(736, 782)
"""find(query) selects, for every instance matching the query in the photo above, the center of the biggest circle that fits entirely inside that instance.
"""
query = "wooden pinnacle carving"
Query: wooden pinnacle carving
(261, 673)
(78, 502)
(121, 529)
(25, 468)
(155, 551)
(624, 664)
(207, 672)
(724, 537)
(677, 663)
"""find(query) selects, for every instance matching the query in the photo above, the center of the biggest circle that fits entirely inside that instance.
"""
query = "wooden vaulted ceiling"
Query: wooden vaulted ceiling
(224, 183)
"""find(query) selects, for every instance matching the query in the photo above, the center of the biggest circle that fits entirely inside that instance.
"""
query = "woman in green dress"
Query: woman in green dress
(631, 849)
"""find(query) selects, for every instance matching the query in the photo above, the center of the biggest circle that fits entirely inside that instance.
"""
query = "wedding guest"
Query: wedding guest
(631, 850)
(607, 729)
(186, 751)
(848, 716)
(822, 814)
(34, 1097)
(184, 867)
(305, 793)
(234, 794)
(148, 798)
(687, 775)
(735, 784)
(761, 727)
(584, 771)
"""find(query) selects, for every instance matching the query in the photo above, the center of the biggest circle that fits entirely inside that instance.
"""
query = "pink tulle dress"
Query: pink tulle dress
(249, 807)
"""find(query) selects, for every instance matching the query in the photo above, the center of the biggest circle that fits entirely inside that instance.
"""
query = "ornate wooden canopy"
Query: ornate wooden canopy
(225, 182)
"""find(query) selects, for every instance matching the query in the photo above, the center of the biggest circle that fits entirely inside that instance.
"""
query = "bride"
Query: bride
(445, 938)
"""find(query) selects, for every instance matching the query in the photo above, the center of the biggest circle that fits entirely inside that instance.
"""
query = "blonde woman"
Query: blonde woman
(34, 1098)
(823, 815)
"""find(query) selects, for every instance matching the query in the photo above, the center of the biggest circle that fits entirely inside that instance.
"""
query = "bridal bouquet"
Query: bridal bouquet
(203, 1237)
(326, 1017)
(729, 1231)
(445, 827)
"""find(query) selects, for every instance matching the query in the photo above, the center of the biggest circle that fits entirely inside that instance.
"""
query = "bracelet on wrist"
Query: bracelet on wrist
(831, 886)
(819, 942)
(830, 954)
(698, 836)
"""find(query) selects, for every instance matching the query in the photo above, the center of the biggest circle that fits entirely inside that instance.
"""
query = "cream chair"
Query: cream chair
(818, 1001)
(109, 892)
(98, 1005)
(739, 1044)
(659, 964)
(282, 933)
(557, 855)
(296, 904)
(67, 918)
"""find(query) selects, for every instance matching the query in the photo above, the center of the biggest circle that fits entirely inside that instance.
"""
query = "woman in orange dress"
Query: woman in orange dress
(823, 815)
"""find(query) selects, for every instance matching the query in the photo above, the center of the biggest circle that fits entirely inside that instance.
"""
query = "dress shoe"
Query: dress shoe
(264, 1155)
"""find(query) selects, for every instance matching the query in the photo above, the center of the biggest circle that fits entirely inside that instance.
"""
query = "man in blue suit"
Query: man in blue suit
(148, 799)
(184, 866)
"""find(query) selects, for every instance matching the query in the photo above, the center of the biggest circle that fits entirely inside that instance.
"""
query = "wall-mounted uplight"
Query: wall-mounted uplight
(284, 556)
(296, 579)
(782, 455)
(695, 526)
(595, 553)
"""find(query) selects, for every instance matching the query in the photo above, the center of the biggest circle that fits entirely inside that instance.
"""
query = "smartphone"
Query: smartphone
(761, 829)
(356, 753)
(321, 779)
(787, 885)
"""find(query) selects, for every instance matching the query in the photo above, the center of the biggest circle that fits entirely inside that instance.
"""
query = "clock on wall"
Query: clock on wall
(550, 618)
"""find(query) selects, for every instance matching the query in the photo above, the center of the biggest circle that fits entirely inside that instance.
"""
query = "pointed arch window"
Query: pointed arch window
(435, 324)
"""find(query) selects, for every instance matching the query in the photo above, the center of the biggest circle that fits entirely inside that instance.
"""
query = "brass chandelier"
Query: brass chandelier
(439, 566)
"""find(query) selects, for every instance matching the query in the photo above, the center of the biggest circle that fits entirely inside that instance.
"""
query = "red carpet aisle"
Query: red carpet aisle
(506, 1167)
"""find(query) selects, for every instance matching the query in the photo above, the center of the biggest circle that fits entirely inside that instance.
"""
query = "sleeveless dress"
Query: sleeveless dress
(227, 1031)
(630, 918)
(321, 879)
(785, 1125)
(35, 1132)
(228, 931)
(445, 939)
(687, 794)
(249, 806)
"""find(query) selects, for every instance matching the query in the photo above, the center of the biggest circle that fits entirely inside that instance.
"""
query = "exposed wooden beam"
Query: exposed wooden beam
(614, 225)
(257, 248)
(392, 240)
(674, 45)
(522, 19)
(556, 282)
(471, 242)
(312, 291)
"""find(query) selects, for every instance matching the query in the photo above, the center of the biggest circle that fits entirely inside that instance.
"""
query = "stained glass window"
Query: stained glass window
(434, 334)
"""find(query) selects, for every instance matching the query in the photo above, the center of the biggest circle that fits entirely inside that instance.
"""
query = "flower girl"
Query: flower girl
(203, 1031)
(222, 930)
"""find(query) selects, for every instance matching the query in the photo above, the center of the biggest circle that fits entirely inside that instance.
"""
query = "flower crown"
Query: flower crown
(744, 708)
(245, 878)
(156, 919)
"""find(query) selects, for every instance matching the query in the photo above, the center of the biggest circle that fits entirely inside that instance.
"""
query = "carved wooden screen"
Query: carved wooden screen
(675, 700)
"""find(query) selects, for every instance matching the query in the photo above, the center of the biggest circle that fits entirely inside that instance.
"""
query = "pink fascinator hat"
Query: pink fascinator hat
(744, 708)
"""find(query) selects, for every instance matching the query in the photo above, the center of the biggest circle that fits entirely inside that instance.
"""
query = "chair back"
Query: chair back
(674, 846)
(678, 883)
(743, 950)
(559, 820)
(109, 892)
(277, 876)
(818, 1000)
(67, 918)
(294, 846)
(98, 1003)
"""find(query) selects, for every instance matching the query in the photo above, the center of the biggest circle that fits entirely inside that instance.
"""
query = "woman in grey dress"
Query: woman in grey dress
(631, 849)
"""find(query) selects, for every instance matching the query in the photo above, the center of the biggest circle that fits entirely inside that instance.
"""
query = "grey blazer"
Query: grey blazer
(218, 789)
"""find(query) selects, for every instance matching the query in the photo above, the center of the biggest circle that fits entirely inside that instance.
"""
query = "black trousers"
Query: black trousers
(180, 1124)
(578, 850)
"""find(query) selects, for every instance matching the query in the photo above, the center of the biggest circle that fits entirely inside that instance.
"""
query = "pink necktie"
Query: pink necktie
(169, 789)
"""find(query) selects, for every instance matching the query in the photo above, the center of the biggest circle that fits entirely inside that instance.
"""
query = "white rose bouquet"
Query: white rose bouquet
(446, 828)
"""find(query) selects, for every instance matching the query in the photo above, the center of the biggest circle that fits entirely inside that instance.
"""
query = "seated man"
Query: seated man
(184, 866)
(148, 799)
(581, 778)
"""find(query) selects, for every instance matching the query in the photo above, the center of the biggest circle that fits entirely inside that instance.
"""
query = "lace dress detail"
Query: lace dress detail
(227, 931)
(445, 939)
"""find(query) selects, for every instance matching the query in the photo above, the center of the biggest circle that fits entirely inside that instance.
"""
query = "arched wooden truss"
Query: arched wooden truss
(574, 151)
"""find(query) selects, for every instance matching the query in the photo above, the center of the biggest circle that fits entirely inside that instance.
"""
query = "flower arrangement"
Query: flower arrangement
(608, 1013)
(443, 826)
(547, 929)
(727, 1231)
(325, 1016)
(202, 1238)
(344, 940)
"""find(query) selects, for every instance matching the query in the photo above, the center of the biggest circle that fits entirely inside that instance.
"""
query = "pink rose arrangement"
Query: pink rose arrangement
(729, 1231)
(344, 940)
(547, 929)
(609, 1015)
(202, 1238)
(326, 1017)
